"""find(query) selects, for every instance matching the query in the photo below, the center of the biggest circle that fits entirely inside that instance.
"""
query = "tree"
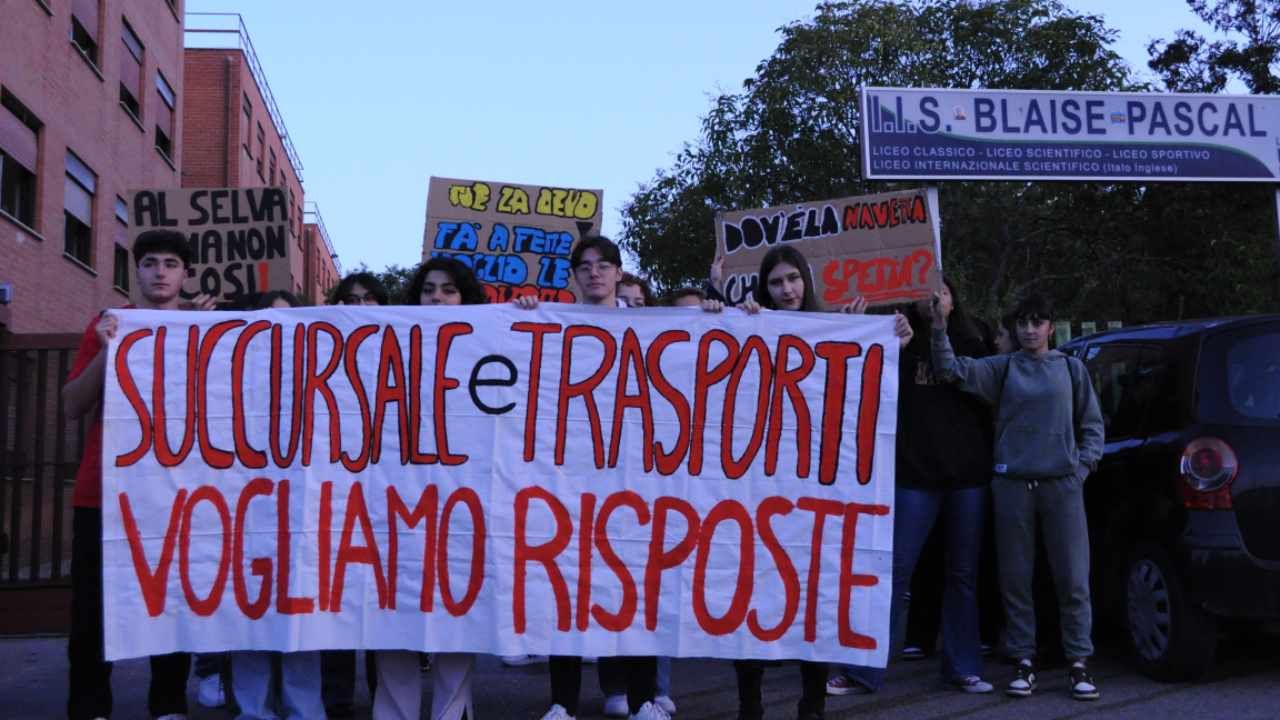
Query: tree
(791, 135)
(1249, 51)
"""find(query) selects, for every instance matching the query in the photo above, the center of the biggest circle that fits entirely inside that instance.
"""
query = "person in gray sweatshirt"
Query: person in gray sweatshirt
(1049, 437)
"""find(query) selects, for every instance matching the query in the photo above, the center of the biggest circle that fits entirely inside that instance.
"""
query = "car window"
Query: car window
(1253, 375)
(1155, 389)
(1113, 369)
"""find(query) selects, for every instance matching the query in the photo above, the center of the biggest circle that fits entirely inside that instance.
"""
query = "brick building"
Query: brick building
(91, 94)
(321, 271)
(234, 136)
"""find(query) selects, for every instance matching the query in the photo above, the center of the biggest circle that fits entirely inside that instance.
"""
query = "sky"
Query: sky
(576, 93)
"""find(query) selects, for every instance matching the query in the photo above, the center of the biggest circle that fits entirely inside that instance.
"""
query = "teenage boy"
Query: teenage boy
(597, 270)
(161, 259)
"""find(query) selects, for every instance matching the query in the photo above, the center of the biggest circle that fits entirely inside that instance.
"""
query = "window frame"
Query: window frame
(132, 104)
(171, 102)
(85, 177)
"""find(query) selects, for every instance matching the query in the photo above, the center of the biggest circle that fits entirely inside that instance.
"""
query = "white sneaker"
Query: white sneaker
(557, 712)
(522, 660)
(666, 703)
(209, 692)
(615, 706)
(650, 711)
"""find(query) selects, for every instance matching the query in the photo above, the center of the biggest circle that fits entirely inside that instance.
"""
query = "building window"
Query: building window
(262, 150)
(120, 266)
(84, 28)
(131, 72)
(273, 168)
(248, 127)
(165, 116)
(19, 150)
(81, 185)
(173, 6)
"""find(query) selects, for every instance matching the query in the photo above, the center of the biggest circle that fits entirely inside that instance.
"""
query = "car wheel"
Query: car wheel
(1172, 639)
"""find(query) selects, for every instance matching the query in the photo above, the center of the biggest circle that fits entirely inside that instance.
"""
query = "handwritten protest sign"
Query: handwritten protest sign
(517, 238)
(882, 247)
(569, 480)
(239, 237)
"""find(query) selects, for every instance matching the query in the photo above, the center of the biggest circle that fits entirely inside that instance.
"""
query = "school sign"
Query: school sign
(940, 134)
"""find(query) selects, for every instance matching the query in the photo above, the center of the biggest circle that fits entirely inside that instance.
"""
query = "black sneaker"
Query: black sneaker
(1024, 683)
(1082, 685)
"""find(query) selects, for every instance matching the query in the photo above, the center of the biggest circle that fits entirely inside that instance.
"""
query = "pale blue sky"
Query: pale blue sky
(576, 93)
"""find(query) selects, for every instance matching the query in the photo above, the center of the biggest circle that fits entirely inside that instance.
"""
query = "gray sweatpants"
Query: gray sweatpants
(1058, 506)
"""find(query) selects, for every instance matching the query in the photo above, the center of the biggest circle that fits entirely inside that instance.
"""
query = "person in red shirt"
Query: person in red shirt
(161, 259)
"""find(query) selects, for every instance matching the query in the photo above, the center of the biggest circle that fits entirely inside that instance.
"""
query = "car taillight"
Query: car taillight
(1208, 467)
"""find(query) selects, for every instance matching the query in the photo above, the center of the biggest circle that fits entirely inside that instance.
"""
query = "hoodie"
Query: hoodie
(1048, 424)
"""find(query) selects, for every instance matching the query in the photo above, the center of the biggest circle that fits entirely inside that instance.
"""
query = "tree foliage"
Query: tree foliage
(1104, 251)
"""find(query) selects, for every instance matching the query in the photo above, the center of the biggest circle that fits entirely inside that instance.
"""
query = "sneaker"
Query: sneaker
(650, 711)
(911, 652)
(666, 703)
(557, 712)
(1082, 685)
(522, 660)
(842, 685)
(1024, 683)
(209, 692)
(615, 706)
(971, 684)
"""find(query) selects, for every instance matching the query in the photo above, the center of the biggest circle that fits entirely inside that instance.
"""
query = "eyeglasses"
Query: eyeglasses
(354, 299)
(601, 266)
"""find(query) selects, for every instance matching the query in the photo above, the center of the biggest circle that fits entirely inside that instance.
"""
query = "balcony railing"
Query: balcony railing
(311, 215)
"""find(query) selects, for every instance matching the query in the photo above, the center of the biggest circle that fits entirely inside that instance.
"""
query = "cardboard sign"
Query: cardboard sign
(568, 480)
(881, 247)
(517, 238)
(240, 238)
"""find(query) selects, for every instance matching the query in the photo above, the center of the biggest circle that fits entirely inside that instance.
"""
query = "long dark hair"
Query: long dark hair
(969, 336)
(791, 256)
(463, 279)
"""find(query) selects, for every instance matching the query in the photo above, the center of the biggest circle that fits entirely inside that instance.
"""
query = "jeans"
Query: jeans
(662, 683)
(89, 674)
(255, 690)
(964, 513)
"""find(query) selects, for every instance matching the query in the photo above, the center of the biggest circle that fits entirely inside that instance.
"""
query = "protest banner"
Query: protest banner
(882, 247)
(569, 480)
(517, 238)
(240, 238)
(945, 134)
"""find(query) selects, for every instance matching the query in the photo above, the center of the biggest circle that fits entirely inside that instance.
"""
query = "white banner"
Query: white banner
(569, 480)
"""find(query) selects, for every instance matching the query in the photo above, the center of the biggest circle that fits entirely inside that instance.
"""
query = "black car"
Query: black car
(1184, 510)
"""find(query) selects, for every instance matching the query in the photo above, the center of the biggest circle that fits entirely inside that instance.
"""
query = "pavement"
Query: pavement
(1245, 684)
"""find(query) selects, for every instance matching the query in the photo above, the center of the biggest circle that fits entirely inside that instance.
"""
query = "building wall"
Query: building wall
(223, 148)
(321, 271)
(80, 109)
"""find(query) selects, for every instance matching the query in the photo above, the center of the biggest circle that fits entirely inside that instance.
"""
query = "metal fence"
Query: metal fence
(39, 454)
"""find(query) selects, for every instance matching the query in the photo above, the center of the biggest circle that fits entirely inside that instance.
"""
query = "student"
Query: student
(942, 478)
(338, 667)
(438, 281)
(1049, 437)
(161, 259)
(597, 270)
(268, 685)
(787, 284)
(1007, 335)
(686, 297)
(360, 288)
(635, 291)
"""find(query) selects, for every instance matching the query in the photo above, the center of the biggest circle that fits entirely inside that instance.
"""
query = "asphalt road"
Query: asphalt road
(1245, 684)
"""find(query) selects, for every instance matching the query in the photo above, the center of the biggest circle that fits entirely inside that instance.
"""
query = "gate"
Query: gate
(39, 454)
